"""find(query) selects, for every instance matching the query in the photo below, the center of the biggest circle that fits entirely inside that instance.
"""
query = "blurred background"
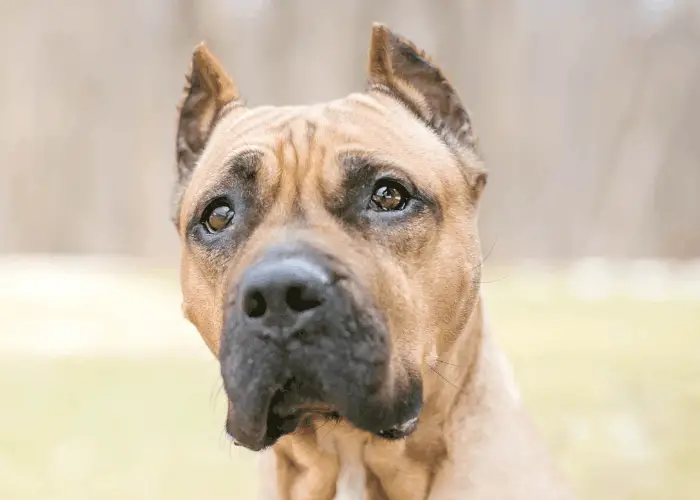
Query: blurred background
(588, 113)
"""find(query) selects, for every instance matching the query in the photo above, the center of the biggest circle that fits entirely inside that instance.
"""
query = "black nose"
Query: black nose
(278, 291)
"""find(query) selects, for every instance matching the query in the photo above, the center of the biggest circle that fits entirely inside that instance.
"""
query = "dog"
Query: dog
(331, 262)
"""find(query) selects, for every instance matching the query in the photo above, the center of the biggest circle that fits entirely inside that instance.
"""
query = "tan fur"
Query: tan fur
(474, 440)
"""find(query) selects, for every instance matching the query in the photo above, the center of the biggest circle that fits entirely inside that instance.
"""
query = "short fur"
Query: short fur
(296, 174)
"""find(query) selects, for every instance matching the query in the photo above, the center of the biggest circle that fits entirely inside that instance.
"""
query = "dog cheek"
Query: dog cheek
(201, 308)
(408, 320)
(207, 326)
(448, 284)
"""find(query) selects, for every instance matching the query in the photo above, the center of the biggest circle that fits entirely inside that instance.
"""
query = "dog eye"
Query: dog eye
(389, 196)
(217, 216)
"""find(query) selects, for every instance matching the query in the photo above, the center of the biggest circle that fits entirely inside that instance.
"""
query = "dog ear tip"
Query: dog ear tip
(202, 45)
(381, 30)
(201, 51)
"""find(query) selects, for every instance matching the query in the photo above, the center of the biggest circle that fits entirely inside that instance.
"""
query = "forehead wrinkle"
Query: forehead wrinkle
(386, 120)
(286, 158)
(251, 130)
(254, 119)
(309, 158)
(467, 160)
(318, 171)
(394, 133)
(241, 123)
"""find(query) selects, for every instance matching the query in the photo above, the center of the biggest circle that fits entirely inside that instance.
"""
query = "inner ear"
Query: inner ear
(209, 92)
(398, 67)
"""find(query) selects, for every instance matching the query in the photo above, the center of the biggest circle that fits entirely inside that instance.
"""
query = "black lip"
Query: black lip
(252, 436)
(282, 416)
(400, 431)
(276, 426)
(280, 410)
(289, 404)
(281, 422)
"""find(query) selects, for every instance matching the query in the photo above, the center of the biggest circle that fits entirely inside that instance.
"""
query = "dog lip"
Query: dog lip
(400, 431)
(283, 416)
(278, 417)
(253, 442)
(246, 432)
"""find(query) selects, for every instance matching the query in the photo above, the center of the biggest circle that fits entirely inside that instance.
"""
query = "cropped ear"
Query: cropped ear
(398, 67)
(208, 93)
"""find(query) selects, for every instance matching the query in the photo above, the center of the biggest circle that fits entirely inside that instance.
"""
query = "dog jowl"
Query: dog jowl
(329, 249)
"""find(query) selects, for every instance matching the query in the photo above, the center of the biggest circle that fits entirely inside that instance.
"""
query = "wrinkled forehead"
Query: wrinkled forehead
(313, 140)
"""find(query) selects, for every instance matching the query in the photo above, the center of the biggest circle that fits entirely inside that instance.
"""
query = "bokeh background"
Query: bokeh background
(588, 112)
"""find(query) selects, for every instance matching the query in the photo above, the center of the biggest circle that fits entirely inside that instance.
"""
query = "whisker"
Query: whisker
(490, 250)
(494, 281)
(446, 363)
(446, 380)
(216, 390)
(224, 436)
(480, 265)
(325, 421)
(331, 429)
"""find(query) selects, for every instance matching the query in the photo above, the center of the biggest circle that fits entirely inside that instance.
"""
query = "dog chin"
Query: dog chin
(287, 414)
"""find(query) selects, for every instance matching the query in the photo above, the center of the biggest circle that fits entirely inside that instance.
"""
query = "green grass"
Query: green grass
(612, 385)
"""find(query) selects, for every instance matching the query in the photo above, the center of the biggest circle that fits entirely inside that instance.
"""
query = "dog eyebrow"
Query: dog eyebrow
(243, 164)
(363, 166)
(353, 162)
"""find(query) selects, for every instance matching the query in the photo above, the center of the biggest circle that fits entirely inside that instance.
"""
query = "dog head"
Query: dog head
(327, 250)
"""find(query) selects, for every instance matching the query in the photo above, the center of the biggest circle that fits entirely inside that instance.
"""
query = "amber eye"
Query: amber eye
(218, 216)
(389, 196)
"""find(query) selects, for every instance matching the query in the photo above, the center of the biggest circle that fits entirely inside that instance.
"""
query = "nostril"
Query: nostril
(254, 305)
(300, 299)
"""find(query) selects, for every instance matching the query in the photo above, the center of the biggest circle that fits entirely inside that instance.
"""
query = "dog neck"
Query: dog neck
(340, 462)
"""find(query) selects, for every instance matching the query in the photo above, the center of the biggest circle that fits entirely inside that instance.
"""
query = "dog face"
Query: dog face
(327, 250)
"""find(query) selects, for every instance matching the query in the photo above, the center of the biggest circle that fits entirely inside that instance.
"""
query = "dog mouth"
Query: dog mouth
(284, 414)
(288, 412)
